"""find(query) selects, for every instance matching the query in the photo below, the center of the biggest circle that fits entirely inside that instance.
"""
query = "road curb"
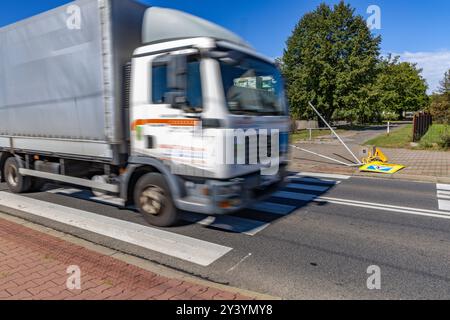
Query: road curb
(406, 177)
(132, 260)
(396, 176)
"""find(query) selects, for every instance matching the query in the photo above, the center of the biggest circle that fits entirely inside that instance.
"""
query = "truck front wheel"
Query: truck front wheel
(16, 182)
(154, 201)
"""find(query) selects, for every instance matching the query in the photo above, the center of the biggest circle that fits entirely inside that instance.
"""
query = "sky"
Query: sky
(417, 31)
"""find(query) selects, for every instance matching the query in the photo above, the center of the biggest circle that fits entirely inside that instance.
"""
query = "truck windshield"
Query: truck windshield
(252, 86)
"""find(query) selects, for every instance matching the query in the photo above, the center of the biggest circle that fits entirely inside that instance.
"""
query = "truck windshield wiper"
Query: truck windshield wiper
(256, 112)
(244, 112)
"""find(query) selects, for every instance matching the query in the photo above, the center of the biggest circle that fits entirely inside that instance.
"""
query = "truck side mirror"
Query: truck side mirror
(177, 99)
(177, 81)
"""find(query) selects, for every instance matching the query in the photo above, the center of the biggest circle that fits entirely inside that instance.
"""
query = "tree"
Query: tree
(440, 108)
(330, 59)
(440, 102)
(445, 84)
(399, 87)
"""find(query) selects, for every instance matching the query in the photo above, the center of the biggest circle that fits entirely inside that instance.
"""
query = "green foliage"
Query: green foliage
(330, 59)
(444, 142)
(445, 84)
(389, 116)
(399, 87)
(440, 102)
(333, 60)
(302, 135)
(437, 137)
(398, 138)
(440, 108)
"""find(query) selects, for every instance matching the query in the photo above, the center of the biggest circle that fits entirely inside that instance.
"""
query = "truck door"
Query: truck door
(167, 109)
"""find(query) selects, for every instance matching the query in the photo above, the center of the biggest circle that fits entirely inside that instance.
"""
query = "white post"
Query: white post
(389, 128)
(334, 132)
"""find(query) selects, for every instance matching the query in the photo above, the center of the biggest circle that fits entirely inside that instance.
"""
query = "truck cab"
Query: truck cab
(212, 109)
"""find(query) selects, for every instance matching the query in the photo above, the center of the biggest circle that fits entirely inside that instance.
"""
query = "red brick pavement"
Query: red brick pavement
(33, 265)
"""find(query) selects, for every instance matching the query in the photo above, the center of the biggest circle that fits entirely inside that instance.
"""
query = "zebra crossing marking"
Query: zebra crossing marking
(443, 194)
(274, 208)
(307, 187)
(323, 175)
(87, 195)
(314, 180)
(295, 196)
(234, 223)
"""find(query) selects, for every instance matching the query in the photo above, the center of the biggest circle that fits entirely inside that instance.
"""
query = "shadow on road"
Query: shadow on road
(297, 193)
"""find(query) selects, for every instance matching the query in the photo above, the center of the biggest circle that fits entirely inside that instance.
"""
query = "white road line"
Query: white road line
(307, 187)
(186, 248)
(443, 194)
(374, 204)
(109, 200)
(228, 223)
(369, 205)
(323, 175)
(239, 263)
(441, 215)
(86, 195)
(68, 191)
(294, 196)
(444, 205)
(444, 187)
(275, 208)
(312, 180)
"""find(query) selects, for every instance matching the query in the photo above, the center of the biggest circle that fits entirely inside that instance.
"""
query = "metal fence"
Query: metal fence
(422, 122)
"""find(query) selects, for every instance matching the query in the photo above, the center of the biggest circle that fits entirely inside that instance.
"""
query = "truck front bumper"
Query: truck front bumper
(226, 197)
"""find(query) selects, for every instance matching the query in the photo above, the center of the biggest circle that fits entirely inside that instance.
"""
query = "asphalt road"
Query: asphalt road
(318, 242)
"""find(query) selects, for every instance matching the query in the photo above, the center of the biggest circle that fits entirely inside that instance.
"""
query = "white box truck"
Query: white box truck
(140, 102)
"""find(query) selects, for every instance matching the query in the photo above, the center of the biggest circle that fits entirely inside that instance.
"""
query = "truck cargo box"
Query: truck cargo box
(61, 87)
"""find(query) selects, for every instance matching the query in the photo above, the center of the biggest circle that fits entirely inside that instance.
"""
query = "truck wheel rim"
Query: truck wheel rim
(152, 200)
(13, 176)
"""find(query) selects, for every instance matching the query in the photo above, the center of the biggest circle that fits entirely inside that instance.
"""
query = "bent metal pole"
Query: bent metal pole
(325, 157)
(337, 136)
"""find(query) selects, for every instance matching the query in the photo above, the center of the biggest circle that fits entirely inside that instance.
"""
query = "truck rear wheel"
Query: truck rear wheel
(154, 201)
(16, 182)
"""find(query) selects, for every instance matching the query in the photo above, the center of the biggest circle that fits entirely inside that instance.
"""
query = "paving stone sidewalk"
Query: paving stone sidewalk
(34, 265)
(431, 166)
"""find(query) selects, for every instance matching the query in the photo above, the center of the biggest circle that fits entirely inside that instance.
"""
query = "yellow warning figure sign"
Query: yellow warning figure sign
(376, 161)
(374, 154)
(381, 167)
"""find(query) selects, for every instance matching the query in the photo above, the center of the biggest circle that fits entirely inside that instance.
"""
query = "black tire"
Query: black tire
(15, 181)
(153, 199)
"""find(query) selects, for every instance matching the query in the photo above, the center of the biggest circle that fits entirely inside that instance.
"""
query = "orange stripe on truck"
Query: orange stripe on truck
(169, 122)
